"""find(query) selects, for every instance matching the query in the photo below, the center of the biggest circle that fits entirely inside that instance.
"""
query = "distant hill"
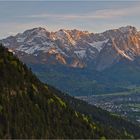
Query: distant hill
(31, 109)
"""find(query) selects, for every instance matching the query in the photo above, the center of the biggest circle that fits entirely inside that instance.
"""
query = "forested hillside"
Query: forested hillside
(107, 121)
(31, 109)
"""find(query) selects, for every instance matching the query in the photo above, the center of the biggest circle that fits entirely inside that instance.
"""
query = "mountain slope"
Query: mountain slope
(103, 118)
(30, 109)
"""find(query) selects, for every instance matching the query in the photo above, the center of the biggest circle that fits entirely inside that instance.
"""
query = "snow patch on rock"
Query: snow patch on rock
(80, 53)
(98, 45)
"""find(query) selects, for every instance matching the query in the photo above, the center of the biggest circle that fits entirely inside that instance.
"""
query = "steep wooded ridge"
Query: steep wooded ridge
(31, 109)
(84, 63)
(28, 109)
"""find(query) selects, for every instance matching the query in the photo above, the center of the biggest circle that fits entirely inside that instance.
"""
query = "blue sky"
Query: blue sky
(93, 16)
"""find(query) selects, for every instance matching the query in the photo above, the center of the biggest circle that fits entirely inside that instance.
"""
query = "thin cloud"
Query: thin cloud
(99, 14)
(112, 13)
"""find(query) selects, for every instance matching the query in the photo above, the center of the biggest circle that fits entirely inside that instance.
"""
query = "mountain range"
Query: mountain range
(76, 48)
(84, 63)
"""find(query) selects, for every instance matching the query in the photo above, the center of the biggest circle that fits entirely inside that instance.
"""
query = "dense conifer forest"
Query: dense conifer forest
(32, 109)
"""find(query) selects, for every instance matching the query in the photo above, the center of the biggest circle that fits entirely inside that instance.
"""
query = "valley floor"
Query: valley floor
(124, 104)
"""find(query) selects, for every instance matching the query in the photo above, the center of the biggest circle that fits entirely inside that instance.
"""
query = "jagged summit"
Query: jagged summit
(128, 29)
